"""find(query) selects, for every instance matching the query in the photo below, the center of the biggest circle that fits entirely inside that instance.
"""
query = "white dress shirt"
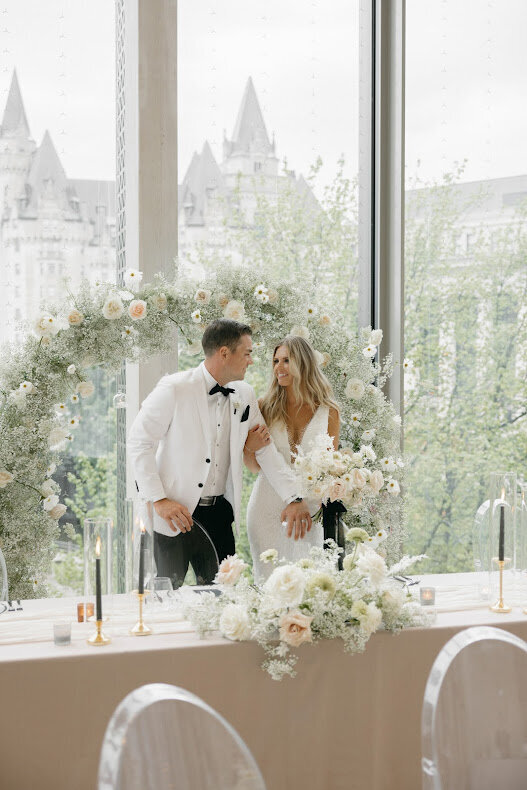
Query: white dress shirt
(220, 430)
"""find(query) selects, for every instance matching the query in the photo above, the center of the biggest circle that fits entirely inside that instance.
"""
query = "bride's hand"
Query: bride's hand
(257, 438)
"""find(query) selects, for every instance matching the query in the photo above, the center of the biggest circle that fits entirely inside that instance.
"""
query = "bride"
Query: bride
(297, 407)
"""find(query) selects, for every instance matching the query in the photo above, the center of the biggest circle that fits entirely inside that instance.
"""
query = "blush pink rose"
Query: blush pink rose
(137, 309)
(295, 628)
(230, 570)
(337, 490)
(358, 478)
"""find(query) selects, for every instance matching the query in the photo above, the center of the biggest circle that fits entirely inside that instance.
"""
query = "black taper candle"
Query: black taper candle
(98, 595)
(501, 550)
(141, 580)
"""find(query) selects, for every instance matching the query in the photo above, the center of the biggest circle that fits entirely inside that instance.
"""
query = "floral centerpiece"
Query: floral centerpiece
(308, 600)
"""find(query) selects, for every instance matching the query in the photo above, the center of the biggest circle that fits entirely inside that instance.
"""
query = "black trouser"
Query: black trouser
(173, 555)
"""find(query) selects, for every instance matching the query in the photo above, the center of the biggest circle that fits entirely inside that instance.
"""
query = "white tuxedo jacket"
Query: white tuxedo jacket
(169, 444)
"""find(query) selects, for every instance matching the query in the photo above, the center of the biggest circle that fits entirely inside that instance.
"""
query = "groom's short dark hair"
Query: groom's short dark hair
(223, 332)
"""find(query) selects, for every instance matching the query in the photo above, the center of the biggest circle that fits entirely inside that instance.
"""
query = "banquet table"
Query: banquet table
(345, 721)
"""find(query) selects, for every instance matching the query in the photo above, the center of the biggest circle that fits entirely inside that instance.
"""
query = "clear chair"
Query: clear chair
(4, 587)
(474, 720)
(161, 736)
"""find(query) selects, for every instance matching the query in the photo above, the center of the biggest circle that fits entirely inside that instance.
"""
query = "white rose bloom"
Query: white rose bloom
(126, 296)
(375, 337)
(369, 351)
(196, 316)
(202, 296)
(230, 570)
(392, 486)
(57, 511)
(71, 369)
(113, 308)
(56, 437)
(47, 488)
(50, 501)
(5, 478)
(358, 478)
(376, 481)
(85, 388)
(300, 331)
(397, 419)
(355, 389)
(285, 586)
(234, 310)
(46, 325)
(368, 436)
(319, 357)
(132, 279)
(372, 565)
(235, 623)
(75, 318)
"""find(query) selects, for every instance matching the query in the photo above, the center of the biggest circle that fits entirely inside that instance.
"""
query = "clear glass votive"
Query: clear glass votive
(427, 596)
(62, 633)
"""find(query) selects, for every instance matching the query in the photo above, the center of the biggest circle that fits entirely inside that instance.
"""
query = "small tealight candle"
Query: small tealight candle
(89, 610)
(427, 596)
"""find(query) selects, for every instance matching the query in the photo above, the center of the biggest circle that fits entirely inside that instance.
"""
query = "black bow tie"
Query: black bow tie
(218, 388)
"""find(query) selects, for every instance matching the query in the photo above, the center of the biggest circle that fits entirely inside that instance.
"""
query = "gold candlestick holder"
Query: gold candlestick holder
(98, 638)
(140, 629)
(500, 606)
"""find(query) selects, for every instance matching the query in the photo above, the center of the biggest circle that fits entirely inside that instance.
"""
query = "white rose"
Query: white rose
(113, 308)
(234, 622)
(300, 331)
(137, 309)
(234, 310)
(45, 325)
(355, 389)
(230, 570)
(202, 296)
(376, 481)
(375, 337)
(368, 436)
(5, 477)
(56, 437)
(358, 478)
(286, 585)
(132, 279)
(324, 320)
(75, 318)
(57, 511)
(85, 388)
(47, 488)
(50, 501)
(71, 369)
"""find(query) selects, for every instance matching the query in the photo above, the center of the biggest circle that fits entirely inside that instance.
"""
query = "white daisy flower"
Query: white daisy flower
(75, 398)
(196, 317)
(369, 351)
(132, 279)
(73, 422)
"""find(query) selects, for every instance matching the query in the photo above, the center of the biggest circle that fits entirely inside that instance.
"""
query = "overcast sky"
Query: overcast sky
(466, 79)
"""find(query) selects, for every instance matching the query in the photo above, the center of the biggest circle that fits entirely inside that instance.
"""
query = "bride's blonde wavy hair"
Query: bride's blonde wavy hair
(310, 386)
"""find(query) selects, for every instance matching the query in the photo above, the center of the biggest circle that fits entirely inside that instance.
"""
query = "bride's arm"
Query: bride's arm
(334, 427)
(257, 438)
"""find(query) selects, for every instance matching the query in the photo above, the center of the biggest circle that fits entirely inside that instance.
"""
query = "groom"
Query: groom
(186, 447)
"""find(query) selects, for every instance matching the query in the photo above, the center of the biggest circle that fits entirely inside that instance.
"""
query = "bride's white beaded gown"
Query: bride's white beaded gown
(264, 525)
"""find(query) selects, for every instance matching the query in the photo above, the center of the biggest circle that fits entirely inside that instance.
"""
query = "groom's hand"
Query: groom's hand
(297, 519)
(174, 513)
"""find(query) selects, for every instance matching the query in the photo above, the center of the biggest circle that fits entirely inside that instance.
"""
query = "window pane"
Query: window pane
(268, 97)
(57, 181)
(465, 265)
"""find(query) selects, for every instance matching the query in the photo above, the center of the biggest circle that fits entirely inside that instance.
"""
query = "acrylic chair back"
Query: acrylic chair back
(474, 721)
(161, 736)
(4, 587)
